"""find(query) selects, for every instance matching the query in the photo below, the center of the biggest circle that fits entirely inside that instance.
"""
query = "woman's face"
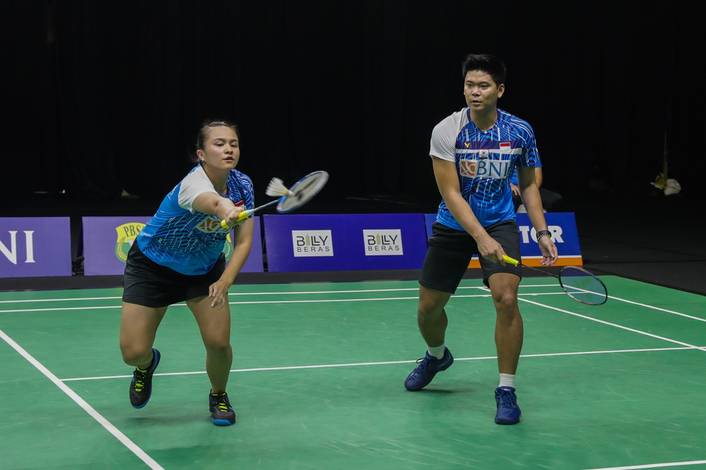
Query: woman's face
(221, 149)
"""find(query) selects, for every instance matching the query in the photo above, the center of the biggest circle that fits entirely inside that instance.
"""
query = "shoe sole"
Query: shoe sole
(222, 422)
(139, 407)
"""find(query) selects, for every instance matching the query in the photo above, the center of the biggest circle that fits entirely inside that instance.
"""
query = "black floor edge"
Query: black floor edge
(602, 271)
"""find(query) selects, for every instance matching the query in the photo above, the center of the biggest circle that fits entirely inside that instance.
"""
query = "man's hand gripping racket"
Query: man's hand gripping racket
(289, 198)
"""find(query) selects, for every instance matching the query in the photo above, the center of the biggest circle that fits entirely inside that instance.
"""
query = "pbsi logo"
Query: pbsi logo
(209, 224)
(11, 252)
(308, 243)
(126, 234)
(383, 242)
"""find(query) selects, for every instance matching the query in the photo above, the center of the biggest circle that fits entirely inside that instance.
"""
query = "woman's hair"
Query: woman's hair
(202, 134)
(209, 123)
(487, 63)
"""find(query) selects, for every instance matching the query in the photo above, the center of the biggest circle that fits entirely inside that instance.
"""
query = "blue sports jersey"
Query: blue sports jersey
(485, 161)
(187, 241)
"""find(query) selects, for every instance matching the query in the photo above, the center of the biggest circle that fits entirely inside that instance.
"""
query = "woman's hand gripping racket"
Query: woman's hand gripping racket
(579, 284)
(289, 198)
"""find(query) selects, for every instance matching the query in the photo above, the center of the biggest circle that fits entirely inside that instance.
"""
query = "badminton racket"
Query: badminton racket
(289, 199)
(578, 283)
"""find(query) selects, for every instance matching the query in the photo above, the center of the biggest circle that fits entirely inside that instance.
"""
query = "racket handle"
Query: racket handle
(510, 260)
(241, 217)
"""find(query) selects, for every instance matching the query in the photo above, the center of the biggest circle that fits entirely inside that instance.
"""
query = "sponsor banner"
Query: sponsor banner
(35, 246)
(107, 240)
(564, 232)
(330, 242)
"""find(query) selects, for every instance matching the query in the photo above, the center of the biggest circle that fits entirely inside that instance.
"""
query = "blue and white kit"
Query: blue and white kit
(187, 241)
(485, 161)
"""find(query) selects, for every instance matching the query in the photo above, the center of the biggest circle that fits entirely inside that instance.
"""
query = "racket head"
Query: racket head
(304, 190)
(583, 286)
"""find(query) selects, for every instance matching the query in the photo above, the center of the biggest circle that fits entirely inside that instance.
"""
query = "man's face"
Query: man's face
(481, 91)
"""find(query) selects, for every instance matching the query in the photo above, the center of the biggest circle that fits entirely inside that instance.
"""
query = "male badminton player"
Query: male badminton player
(178, 257)
(474, 152)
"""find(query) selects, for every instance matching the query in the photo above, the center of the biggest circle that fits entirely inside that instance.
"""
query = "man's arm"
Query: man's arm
(533, 203)
(447, 182)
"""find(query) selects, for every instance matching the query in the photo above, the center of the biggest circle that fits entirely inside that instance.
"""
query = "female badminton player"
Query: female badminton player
(178, 257)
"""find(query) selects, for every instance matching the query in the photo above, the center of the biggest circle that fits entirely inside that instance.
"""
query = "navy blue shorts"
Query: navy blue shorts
(153, 285)
(450, 251)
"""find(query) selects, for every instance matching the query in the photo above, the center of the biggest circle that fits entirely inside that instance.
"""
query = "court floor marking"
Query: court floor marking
(260, 302)
(597, 320)
(399, 289)
(653, 307)
(122, 438)
(385, 363)
(654, 465)
(233, 294)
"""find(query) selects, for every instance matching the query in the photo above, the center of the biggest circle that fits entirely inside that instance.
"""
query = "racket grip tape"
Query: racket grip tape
(241, 217)
(510, 260)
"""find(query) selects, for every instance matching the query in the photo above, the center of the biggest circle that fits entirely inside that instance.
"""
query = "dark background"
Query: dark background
(101, 99)
(105, 96)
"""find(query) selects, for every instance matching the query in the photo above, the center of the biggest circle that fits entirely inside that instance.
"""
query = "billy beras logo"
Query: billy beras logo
(383, 242)
(126, 234)
(307, 243)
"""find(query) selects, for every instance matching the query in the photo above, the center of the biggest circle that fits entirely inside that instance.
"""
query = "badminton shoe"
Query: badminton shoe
(426, 369)
(141, 385)
(508, 411)
(222, 412)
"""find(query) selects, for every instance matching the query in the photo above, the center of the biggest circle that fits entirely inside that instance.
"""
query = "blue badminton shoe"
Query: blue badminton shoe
(426, 369)
(141, 385)
(508, 411)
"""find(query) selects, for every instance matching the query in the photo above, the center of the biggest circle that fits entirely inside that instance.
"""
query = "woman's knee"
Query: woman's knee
(218, 345)
(135, 354)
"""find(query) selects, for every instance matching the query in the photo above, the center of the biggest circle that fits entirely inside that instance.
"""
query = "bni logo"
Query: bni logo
(383, 242)
(307, 243)
(11, 252)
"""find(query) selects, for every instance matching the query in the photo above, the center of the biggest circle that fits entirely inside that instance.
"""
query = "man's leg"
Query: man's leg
(508, 343)
(432, 322)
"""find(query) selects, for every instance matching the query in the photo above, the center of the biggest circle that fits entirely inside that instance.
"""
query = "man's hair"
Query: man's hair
(487, 63)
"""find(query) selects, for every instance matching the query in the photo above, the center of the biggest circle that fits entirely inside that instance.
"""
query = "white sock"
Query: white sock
(437, 351)
(507, 380)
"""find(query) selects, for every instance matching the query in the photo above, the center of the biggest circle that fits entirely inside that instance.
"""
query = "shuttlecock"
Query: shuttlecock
(660, 181)
(277, 188)
(671, 186)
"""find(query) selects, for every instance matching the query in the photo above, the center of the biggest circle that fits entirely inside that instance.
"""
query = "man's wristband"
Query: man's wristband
(543, 233)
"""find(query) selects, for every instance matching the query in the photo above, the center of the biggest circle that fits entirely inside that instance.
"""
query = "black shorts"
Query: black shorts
(153, 285)
(450, 251)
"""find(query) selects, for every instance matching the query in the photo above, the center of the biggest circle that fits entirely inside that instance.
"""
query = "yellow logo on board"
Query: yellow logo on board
(126, 234)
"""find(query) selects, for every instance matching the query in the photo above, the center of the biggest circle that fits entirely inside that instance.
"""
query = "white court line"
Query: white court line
(234, 294)
(633, 330)
(134, 448)
(657, 308)
(385, 363)
(260, 302)
(654, 465)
